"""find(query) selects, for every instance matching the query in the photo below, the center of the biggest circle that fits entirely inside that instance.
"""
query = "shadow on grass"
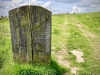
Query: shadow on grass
(59, 69)
(2, 59)
(52, 69)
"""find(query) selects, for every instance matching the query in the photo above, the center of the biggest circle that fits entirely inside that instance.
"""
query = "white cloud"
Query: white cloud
(89, 3)
(5, 6)
(17, 1)
(49, 3)
(86, 6)
(67, 1)
(77, 6)
(76, 9)
(35, 2)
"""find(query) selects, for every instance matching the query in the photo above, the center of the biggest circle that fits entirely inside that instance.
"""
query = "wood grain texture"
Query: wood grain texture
(31, 34)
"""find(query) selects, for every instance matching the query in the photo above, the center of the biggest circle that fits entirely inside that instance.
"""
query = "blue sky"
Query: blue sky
(56, 6)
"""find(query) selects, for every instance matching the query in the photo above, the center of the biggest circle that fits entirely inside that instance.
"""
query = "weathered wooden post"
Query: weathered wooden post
(30, 34)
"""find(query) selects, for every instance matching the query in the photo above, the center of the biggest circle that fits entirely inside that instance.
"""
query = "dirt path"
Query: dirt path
(78, 55)
(84, 29)
(93, 39)
(62, 54)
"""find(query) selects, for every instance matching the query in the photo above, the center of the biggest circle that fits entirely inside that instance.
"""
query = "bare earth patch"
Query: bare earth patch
(60, 56)
(74, 70)
(78, 55)
(64, 62)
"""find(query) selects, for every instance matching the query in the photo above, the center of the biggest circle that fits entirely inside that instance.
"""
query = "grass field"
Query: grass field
(70, 32)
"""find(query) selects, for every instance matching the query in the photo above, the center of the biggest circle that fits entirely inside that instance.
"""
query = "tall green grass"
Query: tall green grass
(65, 35)
(70, 37)
(58, 28)
(92, 21)
(76, 41)
(9, 67)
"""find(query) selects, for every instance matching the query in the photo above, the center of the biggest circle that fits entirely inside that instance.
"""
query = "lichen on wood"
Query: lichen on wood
(30, 34)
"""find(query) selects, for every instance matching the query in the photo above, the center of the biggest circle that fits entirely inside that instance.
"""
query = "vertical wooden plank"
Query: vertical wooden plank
(20, 33)
(13, 26)
(31, 34)
(40, 34)
(25, 40)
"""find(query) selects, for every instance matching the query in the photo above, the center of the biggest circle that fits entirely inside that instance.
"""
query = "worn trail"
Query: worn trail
(90, 39)
(62, 55)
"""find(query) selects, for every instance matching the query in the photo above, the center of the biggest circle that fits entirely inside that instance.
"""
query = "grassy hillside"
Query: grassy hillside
(9, 67)
(70, 32)
(80, 32)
